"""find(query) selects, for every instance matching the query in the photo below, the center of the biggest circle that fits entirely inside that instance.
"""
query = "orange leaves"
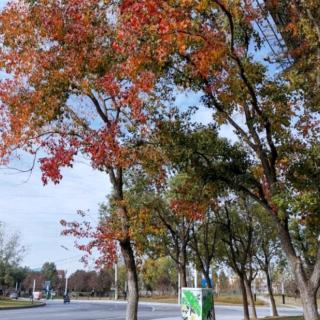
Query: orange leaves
(189, 209)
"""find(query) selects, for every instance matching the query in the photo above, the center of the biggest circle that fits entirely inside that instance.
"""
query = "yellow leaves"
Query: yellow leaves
(85, 86)
(257, 172)
(202, 5)
(206, 58)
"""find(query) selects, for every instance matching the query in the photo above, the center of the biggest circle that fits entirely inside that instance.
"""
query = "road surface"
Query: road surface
(108, 310)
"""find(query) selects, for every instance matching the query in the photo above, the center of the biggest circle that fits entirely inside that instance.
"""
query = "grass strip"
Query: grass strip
(8, 303)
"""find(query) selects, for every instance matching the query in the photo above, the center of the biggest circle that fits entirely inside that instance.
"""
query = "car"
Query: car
(13, 295)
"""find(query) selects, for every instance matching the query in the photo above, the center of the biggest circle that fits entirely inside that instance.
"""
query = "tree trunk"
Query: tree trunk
(309, 304)
(270, 291)
(206, 274)
(251, 298)
(246, 315)
(308, 287)
(183, 265)
(116, 178)
(132, 279)
(183, 275)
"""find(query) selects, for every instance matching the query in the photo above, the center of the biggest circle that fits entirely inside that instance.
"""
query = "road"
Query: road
(107, 310)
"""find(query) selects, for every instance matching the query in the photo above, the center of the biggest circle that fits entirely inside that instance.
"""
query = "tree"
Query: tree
(50, 273)
(268, 250)
(105, 279)
(32, 276)
(11, 254)
(159, 275)
(212, 47)
(205, 239)
(68, 91)
(239, 244)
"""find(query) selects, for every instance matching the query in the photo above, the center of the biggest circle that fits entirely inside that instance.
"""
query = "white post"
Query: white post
(195, 278)
(16, 286)
(116, 281)
(66, 285)
(34, 286)
(179, 288)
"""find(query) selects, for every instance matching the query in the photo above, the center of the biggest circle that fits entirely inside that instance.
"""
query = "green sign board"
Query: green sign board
(197, 304)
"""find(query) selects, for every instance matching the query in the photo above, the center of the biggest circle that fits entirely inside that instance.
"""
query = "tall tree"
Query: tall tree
(237, 227)
(268, 250)
(213, 48)
(67, 91)
(11, 254)
(50, 273)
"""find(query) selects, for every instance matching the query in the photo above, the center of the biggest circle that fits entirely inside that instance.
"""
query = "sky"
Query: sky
(34, 210)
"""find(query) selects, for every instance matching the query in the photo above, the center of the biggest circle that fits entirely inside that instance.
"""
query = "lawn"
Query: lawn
(8, 303)
(233, 299)
(290, 300)
(223, 299)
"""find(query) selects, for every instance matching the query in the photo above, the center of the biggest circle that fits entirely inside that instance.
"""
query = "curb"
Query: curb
(41, 304)
(119, 302)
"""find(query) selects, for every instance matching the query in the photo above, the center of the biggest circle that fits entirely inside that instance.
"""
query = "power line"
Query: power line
(61, 260)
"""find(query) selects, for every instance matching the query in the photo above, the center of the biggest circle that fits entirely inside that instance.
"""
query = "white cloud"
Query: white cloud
(35, 210)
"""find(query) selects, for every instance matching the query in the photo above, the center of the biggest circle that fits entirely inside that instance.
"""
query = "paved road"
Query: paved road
(102, 310)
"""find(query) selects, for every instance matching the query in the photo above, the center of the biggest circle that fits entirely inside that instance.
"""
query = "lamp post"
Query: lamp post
(65, 273)
(66, 283)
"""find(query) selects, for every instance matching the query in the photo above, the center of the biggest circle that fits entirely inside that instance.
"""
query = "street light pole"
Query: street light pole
(66, 284)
